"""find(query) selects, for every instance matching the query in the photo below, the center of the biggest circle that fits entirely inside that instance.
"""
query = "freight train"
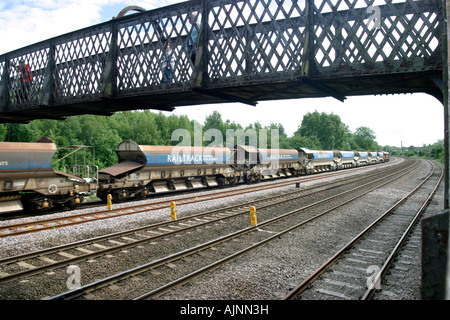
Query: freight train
(28, 180)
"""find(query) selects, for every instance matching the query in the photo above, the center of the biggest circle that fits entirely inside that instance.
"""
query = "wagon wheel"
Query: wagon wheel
(141, 195)
(120, 196)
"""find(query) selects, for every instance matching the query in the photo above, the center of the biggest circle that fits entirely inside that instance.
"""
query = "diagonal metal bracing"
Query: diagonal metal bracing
(303, 48)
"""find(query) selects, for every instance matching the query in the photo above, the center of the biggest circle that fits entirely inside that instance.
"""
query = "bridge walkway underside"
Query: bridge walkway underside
(229, 51)
(303, 87)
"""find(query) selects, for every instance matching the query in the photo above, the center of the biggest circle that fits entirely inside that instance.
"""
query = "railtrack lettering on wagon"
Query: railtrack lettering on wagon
(143, 171)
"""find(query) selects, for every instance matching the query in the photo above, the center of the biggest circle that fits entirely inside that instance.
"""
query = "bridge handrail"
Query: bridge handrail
(244, 42)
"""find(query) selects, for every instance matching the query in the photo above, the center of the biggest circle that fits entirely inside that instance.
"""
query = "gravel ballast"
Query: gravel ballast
(267, 273)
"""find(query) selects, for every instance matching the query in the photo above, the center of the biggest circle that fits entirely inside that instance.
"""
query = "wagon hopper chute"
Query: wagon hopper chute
(347, 159)
(142, 170)
(317, 160)
(279, 163)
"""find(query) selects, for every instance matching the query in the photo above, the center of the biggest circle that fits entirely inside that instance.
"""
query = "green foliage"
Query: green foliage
(103, 133)
(329, 130)
(364, 138)
(432, 151)
(317, 131)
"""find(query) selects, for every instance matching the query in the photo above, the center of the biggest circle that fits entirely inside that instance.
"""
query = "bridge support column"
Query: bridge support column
(435, 228)
(308, 66)
(200, 76)
(48, 87)
(446, 96)
(434, 255)
(109, 77)
(4, 94)
(446, 86)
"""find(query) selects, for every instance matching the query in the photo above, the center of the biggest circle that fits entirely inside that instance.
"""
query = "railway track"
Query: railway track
(228, 247)
(355, 271)
(180, 260)
(76, 219)
(43, 260)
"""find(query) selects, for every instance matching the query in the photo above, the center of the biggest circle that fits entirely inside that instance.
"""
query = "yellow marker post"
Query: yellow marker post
(173, 210)
(109, 201)
(253, 220)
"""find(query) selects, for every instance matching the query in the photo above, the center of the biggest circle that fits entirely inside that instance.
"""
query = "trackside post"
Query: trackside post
(109, 201)
(253, 219)
(173, 210)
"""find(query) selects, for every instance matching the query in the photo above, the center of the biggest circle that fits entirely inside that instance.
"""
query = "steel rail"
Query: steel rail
(88, 217)
(399, 244)
(125, 274)
(215, 265)
(304, 285)
(243, 206)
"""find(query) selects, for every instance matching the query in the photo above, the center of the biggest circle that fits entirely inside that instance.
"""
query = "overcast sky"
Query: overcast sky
(412, 119)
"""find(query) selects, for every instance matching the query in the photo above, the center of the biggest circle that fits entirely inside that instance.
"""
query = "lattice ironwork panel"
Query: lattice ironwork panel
(253, 40)
(154, 43)
(79, 63)
(379, 36)
(232, 43)
(26, 76)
